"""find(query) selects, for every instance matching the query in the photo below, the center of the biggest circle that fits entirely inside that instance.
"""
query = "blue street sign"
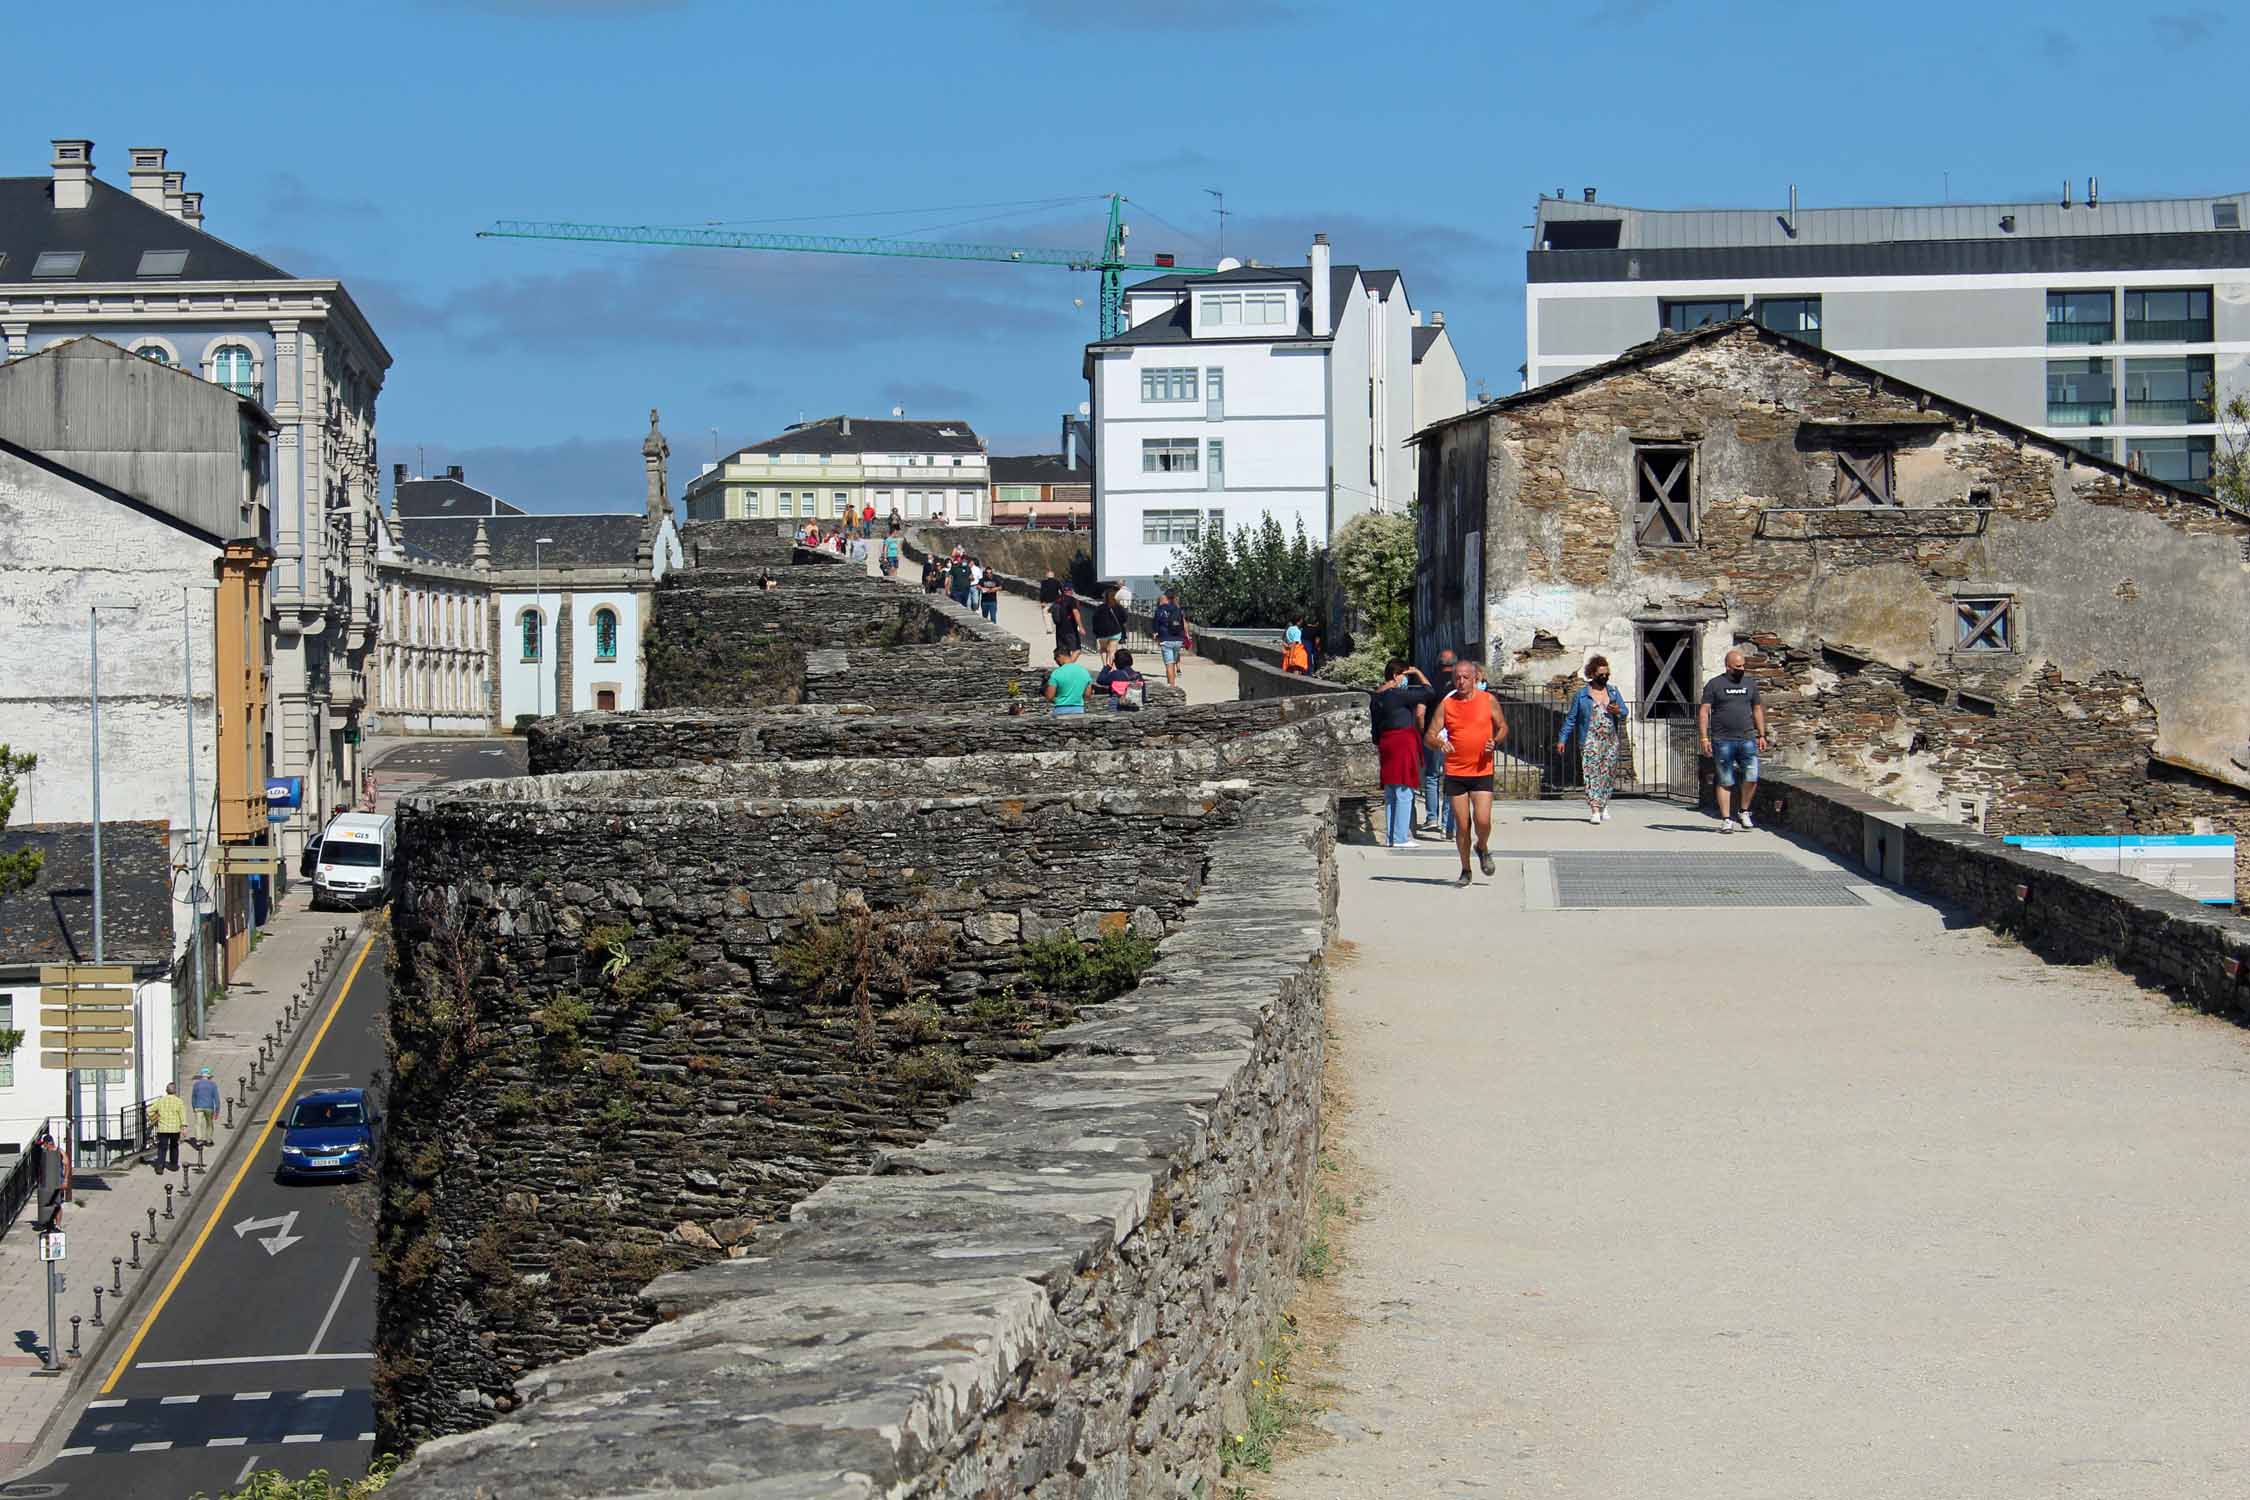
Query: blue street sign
(284, 791)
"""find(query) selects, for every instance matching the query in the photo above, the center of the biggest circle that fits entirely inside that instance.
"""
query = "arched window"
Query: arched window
(154, 354)
(529, 621)
(605, 634)
(234, 367)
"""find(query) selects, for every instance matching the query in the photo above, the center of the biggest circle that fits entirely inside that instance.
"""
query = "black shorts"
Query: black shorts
(1461, 786)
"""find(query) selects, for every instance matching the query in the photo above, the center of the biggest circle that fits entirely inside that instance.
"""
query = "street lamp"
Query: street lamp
(198, 845)
(539, 595)
(94, 715)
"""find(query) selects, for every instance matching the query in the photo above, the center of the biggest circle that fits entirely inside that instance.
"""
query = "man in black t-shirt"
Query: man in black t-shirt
(1065, 613)
(1049, 589)
(1731, 722)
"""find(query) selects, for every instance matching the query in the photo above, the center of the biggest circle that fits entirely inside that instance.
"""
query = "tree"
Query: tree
(2230, 466)
(1375, 564)
(20, 869)
(1256, 575)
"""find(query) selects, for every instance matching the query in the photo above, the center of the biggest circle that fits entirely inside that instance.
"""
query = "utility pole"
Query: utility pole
(94, 715)
(198, 846)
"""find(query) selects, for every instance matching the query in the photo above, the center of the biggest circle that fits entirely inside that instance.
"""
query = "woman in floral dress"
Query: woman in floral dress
(1599, 714)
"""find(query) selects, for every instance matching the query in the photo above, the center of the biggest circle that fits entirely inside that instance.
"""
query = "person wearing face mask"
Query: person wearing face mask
(1731, 720)
(1597, 713)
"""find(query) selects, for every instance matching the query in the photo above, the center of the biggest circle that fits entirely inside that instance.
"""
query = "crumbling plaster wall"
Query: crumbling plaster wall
(2109, 575)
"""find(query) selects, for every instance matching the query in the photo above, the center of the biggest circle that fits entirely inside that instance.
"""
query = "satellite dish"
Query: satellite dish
(898, 411)
(1230, 264)
(1085, 410)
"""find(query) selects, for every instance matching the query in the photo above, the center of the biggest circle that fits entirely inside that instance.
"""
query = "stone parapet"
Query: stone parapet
(1060, 1292)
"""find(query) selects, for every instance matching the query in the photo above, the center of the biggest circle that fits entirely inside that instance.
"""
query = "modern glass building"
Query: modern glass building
(2117, 325)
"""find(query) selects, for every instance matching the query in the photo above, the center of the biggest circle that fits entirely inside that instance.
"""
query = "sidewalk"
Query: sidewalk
(112, 1204)
(1696, 1166)
(1203, 681)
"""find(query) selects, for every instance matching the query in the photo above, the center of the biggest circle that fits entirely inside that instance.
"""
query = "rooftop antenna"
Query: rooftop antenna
(1221, 211)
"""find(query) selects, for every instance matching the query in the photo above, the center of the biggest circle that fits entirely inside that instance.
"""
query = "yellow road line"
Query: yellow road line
(249, 1158)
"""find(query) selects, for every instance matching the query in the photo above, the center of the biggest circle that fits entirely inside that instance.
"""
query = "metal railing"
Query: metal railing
(1659, 759)
(2168, 330)
(2080, 333)
(17, 1187)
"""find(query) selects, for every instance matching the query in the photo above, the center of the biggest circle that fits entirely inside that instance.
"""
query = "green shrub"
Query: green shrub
(930, 1070)
(1060, 963)
(272, 1484)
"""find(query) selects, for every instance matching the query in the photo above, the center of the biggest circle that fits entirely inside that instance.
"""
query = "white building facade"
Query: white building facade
(2117, 325)
(833, 469)
(135, 266)
(433, 674)
(1287, 391)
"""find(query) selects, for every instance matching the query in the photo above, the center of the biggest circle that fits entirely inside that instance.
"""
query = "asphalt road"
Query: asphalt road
(258, 1355)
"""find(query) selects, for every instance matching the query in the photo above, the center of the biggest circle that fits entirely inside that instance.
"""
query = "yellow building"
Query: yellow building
(839, 466)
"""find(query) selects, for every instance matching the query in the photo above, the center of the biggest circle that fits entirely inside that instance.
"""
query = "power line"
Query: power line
(1193, 239)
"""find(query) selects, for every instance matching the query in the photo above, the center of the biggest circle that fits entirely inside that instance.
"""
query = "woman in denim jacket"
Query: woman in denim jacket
(1598, 713)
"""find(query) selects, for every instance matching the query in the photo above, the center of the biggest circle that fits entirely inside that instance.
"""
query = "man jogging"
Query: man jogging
(1169, 624)
(1731, 721)
(1467, 726)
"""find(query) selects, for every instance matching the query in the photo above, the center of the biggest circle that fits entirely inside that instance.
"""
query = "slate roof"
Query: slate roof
(1424, 337)
(1037, 468)
(1888, 224)
(450, 497)
(114, 230)
(1173, 327)
(607, 540)
(871, 435)
(52, 922)
(1381, 283)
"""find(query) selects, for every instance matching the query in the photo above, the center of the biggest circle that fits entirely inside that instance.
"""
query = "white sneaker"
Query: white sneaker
(1605, 815)
(1594, 816)
(1746, 819)
(1726, 825)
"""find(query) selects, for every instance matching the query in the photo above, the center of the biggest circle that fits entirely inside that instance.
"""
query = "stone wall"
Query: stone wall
(638, 741)
(1025, 554)
(735, 544)
(2065, 912)
(566, 1126)
(1061, 1293)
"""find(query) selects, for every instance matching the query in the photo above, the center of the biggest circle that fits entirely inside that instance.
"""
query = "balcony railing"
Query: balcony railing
(2167, 411)
(2080, 333)
(2080, 414)
(2167, 330)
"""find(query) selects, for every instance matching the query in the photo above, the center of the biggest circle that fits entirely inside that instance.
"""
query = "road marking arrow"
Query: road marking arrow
(280, 1240)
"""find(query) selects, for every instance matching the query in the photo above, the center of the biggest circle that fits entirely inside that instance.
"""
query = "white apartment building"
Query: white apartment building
(1290, 391)
(836, 467)
(2116, 325)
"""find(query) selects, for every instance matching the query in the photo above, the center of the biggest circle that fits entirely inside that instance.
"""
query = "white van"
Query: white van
(355, 863)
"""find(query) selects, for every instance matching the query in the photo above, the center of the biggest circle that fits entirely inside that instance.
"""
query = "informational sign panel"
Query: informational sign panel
(85, 1016)
(285, 791)
(2199, 866)
(51, 1246)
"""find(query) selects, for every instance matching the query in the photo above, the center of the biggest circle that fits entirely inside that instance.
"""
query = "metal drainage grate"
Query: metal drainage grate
(1637, 878)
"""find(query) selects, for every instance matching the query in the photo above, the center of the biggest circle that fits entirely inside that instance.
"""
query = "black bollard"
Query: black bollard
(98, 1290)
(152, 1236)
(167, 1200)
(117, 1276)
(199, 1153)
(230, 1120)
(74, 1335)
(242, 1091)
(135, 1263)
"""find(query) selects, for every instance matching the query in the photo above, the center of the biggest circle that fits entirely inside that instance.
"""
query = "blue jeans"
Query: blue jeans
(992, 607)
(1735, 760)
(1069, 708)
(1436, 806)
(1398, 804)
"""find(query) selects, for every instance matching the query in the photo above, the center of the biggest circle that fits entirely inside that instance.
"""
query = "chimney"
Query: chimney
(191, 210)
(1321, 326)
(847, 427)
(1437, 319)
(1589, 195)
(2066, 192)
(146, 175)
(398, 475)
(175, 188)
(454, 472)
(2093, 191)
(74, 173)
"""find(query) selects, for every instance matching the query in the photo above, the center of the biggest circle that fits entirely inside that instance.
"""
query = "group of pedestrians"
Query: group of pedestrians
(960, 577)
(1440, 732)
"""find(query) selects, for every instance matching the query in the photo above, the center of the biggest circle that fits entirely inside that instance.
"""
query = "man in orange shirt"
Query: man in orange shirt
(1468, 728)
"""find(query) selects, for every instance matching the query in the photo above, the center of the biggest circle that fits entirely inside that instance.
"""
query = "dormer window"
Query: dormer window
(1243, 309)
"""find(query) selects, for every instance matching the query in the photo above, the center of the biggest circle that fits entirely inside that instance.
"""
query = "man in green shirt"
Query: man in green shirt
(1066, 684)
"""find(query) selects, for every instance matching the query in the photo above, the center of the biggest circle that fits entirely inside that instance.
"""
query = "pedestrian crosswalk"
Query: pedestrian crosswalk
(159, 1424)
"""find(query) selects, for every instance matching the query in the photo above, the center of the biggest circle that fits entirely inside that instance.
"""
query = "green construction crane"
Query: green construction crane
(1109, 260)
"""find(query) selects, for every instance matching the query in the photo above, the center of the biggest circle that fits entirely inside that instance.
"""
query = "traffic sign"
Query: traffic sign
(51, 1246)
(86, 974)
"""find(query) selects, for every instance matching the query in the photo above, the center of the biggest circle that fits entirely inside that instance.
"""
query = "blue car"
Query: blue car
(329, 1133)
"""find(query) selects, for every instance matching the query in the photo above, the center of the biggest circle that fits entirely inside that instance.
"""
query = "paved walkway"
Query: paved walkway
(1748, 1201)
(1205, 681)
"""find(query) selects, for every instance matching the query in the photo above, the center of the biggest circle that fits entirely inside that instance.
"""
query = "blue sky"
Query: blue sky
(371, 141)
